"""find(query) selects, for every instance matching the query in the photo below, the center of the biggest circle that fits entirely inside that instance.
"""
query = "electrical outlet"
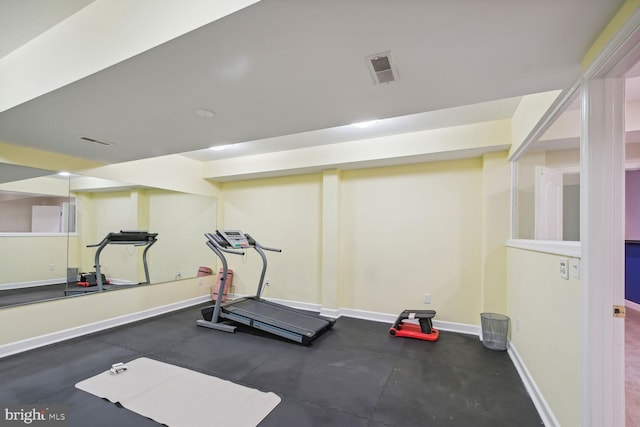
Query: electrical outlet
(426, 298)
(52, 267)
(564, 268)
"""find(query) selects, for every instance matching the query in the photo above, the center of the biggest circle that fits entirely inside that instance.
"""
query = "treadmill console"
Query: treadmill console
(236, 239)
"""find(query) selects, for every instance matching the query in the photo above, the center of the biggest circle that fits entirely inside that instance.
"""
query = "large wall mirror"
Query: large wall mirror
(50, 224)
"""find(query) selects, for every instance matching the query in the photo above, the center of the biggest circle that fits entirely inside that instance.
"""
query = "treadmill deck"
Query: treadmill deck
(278, 316)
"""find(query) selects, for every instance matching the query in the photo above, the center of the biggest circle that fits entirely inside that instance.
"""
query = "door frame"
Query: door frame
(602, 186)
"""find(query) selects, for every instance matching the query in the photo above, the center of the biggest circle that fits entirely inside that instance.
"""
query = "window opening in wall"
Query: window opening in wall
(547, 181)
(36, 213)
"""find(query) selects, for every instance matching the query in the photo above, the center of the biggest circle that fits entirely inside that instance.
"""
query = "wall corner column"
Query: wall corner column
(330, 239)
(496, 176)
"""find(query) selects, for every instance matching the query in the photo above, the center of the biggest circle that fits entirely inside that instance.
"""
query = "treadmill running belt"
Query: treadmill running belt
(265, 311)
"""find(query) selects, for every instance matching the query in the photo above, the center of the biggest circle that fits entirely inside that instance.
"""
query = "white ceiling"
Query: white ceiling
(282, 74)
(23, 20)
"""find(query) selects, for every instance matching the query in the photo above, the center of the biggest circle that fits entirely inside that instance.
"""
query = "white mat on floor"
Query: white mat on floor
(178, 397)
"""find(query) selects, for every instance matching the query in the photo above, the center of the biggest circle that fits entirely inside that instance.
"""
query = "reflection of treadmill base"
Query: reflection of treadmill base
(286, 322)
(80, 290)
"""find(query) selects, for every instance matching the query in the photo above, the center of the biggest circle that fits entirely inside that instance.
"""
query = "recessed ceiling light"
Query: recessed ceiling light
(203, 112)
(363, 125)
(64, 173)
(220, 147)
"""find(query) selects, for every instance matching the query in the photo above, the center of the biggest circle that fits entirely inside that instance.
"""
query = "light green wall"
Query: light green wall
(377, 239)
(180, 220)
(43, 318)
(529, 112)
(623, 14)
(496, 229)
(42, 185)
(32, 257)
(546, 315)
(410, 230)
(109, 212)
(23, 156)
(284, 213)
(171, 172)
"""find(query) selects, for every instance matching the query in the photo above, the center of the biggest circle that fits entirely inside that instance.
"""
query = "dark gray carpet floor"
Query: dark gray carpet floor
(354, 375)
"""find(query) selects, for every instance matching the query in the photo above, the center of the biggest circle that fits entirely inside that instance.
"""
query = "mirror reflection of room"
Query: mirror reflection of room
(57, 221)
(36, 214)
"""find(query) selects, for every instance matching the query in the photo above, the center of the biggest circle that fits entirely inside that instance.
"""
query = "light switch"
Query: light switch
(575, 267)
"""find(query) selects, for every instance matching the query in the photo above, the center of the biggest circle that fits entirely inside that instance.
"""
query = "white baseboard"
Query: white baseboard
(375, 316)
(545, 412)
(52, 338)
(632, 305)
(441, 325)
(300, 305)
(32, 284)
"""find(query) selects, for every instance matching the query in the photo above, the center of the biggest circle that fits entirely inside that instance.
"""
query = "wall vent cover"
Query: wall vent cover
(382, 68)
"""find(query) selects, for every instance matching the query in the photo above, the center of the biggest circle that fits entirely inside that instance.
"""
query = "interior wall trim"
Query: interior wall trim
(461, 328)
(66, 334)
(32, 284)
(543, 408)
(29, 344)
(52, 338)
(565, 248)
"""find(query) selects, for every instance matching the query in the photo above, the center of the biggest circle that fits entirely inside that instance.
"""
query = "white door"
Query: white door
(548, 204)
(45, 219)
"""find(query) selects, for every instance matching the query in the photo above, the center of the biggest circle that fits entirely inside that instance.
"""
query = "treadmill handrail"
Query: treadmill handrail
(233, 311)
(267, 248)
(253, 242)
(213, 244)
(138, 238)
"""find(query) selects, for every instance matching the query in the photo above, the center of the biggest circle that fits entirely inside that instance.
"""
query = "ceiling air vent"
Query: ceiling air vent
(382, 67)
(95, 141)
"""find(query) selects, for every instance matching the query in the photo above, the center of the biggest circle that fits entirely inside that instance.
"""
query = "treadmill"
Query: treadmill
(296, 325)
(124, 237)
